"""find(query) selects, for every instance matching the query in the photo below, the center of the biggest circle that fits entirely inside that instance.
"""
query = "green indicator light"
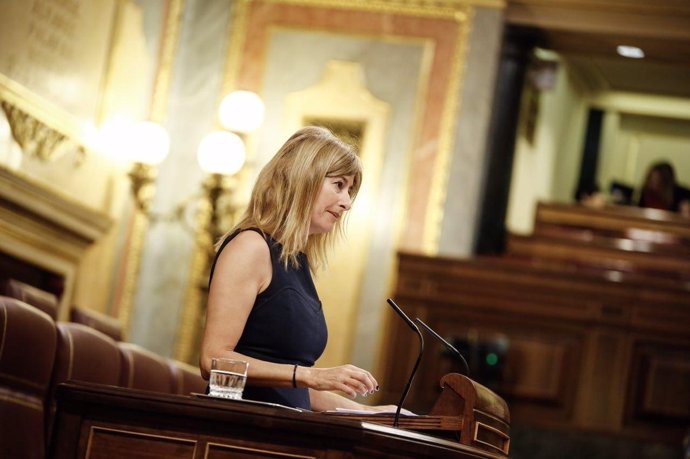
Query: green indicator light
(491, 358)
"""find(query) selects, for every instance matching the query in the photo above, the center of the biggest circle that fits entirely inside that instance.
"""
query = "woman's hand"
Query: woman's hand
(348, 379)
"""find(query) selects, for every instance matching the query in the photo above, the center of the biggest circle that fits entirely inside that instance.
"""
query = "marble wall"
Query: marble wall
(197, 77)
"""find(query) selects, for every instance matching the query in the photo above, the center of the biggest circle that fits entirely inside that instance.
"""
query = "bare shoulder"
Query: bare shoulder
(246, 258)
(248, 246)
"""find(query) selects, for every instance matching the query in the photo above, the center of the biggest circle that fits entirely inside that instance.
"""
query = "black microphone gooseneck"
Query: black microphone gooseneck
(416, 365)
(449, 346)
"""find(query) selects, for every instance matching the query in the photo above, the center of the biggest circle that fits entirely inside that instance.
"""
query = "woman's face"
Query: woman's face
(331, 203)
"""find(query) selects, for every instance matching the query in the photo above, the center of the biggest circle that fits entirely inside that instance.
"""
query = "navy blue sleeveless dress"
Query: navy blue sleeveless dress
(286, 325)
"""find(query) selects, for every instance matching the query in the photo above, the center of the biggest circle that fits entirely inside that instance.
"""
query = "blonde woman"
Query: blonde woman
(263, 306)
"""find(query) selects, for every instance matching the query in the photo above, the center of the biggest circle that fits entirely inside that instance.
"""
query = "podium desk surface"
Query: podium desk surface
(97, 421)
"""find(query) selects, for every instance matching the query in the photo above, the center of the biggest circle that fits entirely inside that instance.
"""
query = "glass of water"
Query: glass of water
(228, 377)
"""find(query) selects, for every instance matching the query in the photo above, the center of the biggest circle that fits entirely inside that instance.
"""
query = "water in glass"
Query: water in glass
(227, 384)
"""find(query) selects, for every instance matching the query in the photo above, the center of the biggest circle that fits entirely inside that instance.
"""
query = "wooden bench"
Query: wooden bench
(654, 260)
(615, 221)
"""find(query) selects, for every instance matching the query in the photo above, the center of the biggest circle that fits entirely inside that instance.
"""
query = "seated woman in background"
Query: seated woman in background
(660, 190)
(262, 305)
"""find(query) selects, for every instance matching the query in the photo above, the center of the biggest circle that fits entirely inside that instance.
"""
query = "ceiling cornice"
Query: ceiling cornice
(661, 19)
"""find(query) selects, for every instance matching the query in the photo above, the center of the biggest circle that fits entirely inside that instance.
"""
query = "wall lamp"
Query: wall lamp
(221, 154)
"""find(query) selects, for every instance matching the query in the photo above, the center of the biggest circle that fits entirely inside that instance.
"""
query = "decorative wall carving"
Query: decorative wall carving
(37, 139)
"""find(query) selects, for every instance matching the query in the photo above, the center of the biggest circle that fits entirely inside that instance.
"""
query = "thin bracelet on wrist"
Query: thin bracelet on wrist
(294, 376)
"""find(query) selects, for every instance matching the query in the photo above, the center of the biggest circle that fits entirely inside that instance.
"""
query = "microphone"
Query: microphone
(449, 346)
(414, 327)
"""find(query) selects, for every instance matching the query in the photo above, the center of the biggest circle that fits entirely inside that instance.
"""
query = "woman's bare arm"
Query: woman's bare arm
(243, 270)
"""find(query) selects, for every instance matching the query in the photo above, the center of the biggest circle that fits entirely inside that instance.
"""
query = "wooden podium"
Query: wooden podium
(96, 421)
(465, 411)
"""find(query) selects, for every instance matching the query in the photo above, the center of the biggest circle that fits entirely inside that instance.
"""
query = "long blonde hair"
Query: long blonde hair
(287, 187)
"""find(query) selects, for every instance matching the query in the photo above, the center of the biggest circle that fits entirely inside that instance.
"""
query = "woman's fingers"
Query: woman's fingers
(348, 379)
(363, 382)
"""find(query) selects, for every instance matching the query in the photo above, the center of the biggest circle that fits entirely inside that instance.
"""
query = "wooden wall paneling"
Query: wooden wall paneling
(658, 392)
(118, 442)
(541, 366)
(239, 447)
(224, 451)
(102, 439)
(574, 359)
(665, 312)
(602, 392)
(542, 370)
(666, 390)
(121, 440)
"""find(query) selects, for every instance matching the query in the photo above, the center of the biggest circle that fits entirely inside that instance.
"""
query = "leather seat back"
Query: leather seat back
(83, 354)
(101, 322)
(45, 301)
(142, 369)
(187, 378)
(28, 340)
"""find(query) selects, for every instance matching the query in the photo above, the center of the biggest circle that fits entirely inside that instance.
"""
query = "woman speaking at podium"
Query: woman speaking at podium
(262, 305)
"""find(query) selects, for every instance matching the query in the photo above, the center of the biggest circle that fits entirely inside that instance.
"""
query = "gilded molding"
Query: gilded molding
(437, 194)
(236, 40)
(187, 343)
(193, 314)
(139, 225)
(157, 111)
(159, 100)
(423, 8)
(43, 112)
(37, 139)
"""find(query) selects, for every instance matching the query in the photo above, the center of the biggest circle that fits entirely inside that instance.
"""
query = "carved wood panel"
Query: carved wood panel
(113, 440)
(106, 443)
(660, 382)
(536, 367)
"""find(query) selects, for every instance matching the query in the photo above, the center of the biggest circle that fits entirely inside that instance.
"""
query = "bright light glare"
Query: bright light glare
(89, 135)
(111, 140)
(124, 140)
(241, 111)
(149, 142)
(630, 51)
(221, 152)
